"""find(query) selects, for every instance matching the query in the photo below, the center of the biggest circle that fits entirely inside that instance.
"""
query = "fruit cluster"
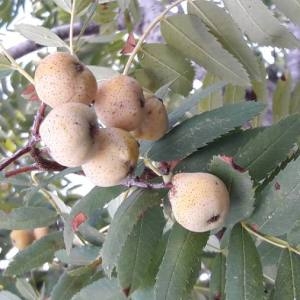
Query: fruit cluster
(108, 153)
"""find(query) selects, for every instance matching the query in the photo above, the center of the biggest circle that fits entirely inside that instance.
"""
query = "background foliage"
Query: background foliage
(232, 113)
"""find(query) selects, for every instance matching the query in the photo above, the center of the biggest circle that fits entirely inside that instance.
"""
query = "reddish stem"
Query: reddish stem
(33, 139)
(37, 122)
(21, 170)
(20, 152)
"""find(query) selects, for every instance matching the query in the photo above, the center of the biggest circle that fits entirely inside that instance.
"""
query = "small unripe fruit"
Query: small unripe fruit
(21, 238)
(155, 123)
(120, 103)
(60, 78)
(40, 232)
(200, 201)
(68, 132)
(115, 157)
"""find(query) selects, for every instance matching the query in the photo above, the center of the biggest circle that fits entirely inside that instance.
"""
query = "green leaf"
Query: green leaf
(199, 130)
(27, 218)
(97, 198)
(7, 295)
(5, 66)
(282, 99)
(107, 288)
(217, 282)
(66, 5)
(78, 256)
(258, 22)
(295, 100)
(127, 215)
(71, 282)
(227, 32)
(38, 253)
(180, 265)
(233, 94)
(264, 153)
(290, 8)
(102, 73)
(166, 64)
(193, 100)
(287, 284)
(139, 249)
(293, 236)
(227, 145)
(240, 189)
(40, 35)
(269, 254)
(244, 278)
(278, 205)
(213, 100)
(201, 46)
(26, 289)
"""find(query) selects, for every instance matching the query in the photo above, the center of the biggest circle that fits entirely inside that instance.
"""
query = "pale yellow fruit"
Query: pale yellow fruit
(40, 232)
(68, 132)
(60, 78)
(115, 157)
(120, 103)
(21, 238)
(155, 123)
(200, 201)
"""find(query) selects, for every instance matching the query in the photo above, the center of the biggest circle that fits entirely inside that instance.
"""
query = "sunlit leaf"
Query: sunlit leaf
(227, 32)
(201, 46)
(40, 35)
(258, 22)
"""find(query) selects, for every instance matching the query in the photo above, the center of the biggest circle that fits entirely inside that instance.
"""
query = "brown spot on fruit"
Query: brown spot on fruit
(213, 219)
(60, 78)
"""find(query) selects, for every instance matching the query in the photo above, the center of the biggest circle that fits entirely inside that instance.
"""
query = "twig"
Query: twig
(146, 33)
(62, 31)
(20, 152)
(15, 65)
(37, 121)
(271, 240)
(71, 26)
(21, 170)
(136, 182)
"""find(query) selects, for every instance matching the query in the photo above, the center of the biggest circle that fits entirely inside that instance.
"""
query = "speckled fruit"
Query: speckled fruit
(40, 232)
(21, 238)
(68, 132)
(116, 155)
(155, 123)
(60, 78)
(200, 201)
(120, 103)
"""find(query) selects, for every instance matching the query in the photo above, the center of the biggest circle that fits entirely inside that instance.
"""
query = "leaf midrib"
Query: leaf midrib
(179, 75)
(203, 51)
